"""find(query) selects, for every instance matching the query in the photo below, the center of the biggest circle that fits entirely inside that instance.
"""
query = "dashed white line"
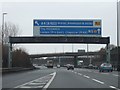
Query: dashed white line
(115, 75)
(75, 72)
(86, 76)
(112, 87)
(79, 74)
(98, 81)
(105, 73)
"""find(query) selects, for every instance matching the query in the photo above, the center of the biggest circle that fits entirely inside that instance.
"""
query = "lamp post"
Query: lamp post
(3, 14)
(87, 53)
(3, 26)
(118, 35)
(118, 22)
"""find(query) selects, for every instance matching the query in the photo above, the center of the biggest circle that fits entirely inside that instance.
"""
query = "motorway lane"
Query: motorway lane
(69, 79)
(78, 78)
(110, 78)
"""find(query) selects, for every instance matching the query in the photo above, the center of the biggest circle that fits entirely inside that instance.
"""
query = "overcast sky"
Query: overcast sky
(23, 13)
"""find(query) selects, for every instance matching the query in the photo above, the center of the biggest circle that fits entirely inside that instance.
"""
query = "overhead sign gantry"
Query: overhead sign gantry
(63, 31)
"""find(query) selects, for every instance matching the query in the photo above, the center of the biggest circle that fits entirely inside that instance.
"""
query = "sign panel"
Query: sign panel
(67, 27)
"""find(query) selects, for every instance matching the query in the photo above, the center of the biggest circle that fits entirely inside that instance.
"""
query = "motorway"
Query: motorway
(61, 78)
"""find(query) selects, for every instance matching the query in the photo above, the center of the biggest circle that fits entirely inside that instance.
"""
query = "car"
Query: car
(90, 66)
(58, 66)
(70, 66)
(105, 67)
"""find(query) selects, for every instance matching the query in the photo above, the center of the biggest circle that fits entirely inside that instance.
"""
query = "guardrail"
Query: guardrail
(15, 69)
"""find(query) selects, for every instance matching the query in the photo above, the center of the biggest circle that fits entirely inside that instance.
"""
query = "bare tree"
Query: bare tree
(19, 56)
(10, 29)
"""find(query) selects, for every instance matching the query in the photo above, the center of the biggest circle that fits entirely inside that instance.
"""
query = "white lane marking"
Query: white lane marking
(36, 83)
(79, 74)
(86, 76)
(36, 80)
(24, 87)
(31, 87)
(75, 72)
(47, 85)
(98, 81)
(105, 73)
(115, 75)
(112, 87)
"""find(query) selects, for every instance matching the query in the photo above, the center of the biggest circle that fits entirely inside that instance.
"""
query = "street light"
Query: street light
(118, 34)
(87, 53)
(118, 42)
(3, 14)
(3, 26)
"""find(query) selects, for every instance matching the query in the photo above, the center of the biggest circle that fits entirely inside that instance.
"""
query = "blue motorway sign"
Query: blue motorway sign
(67, 27)
(70, 31)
